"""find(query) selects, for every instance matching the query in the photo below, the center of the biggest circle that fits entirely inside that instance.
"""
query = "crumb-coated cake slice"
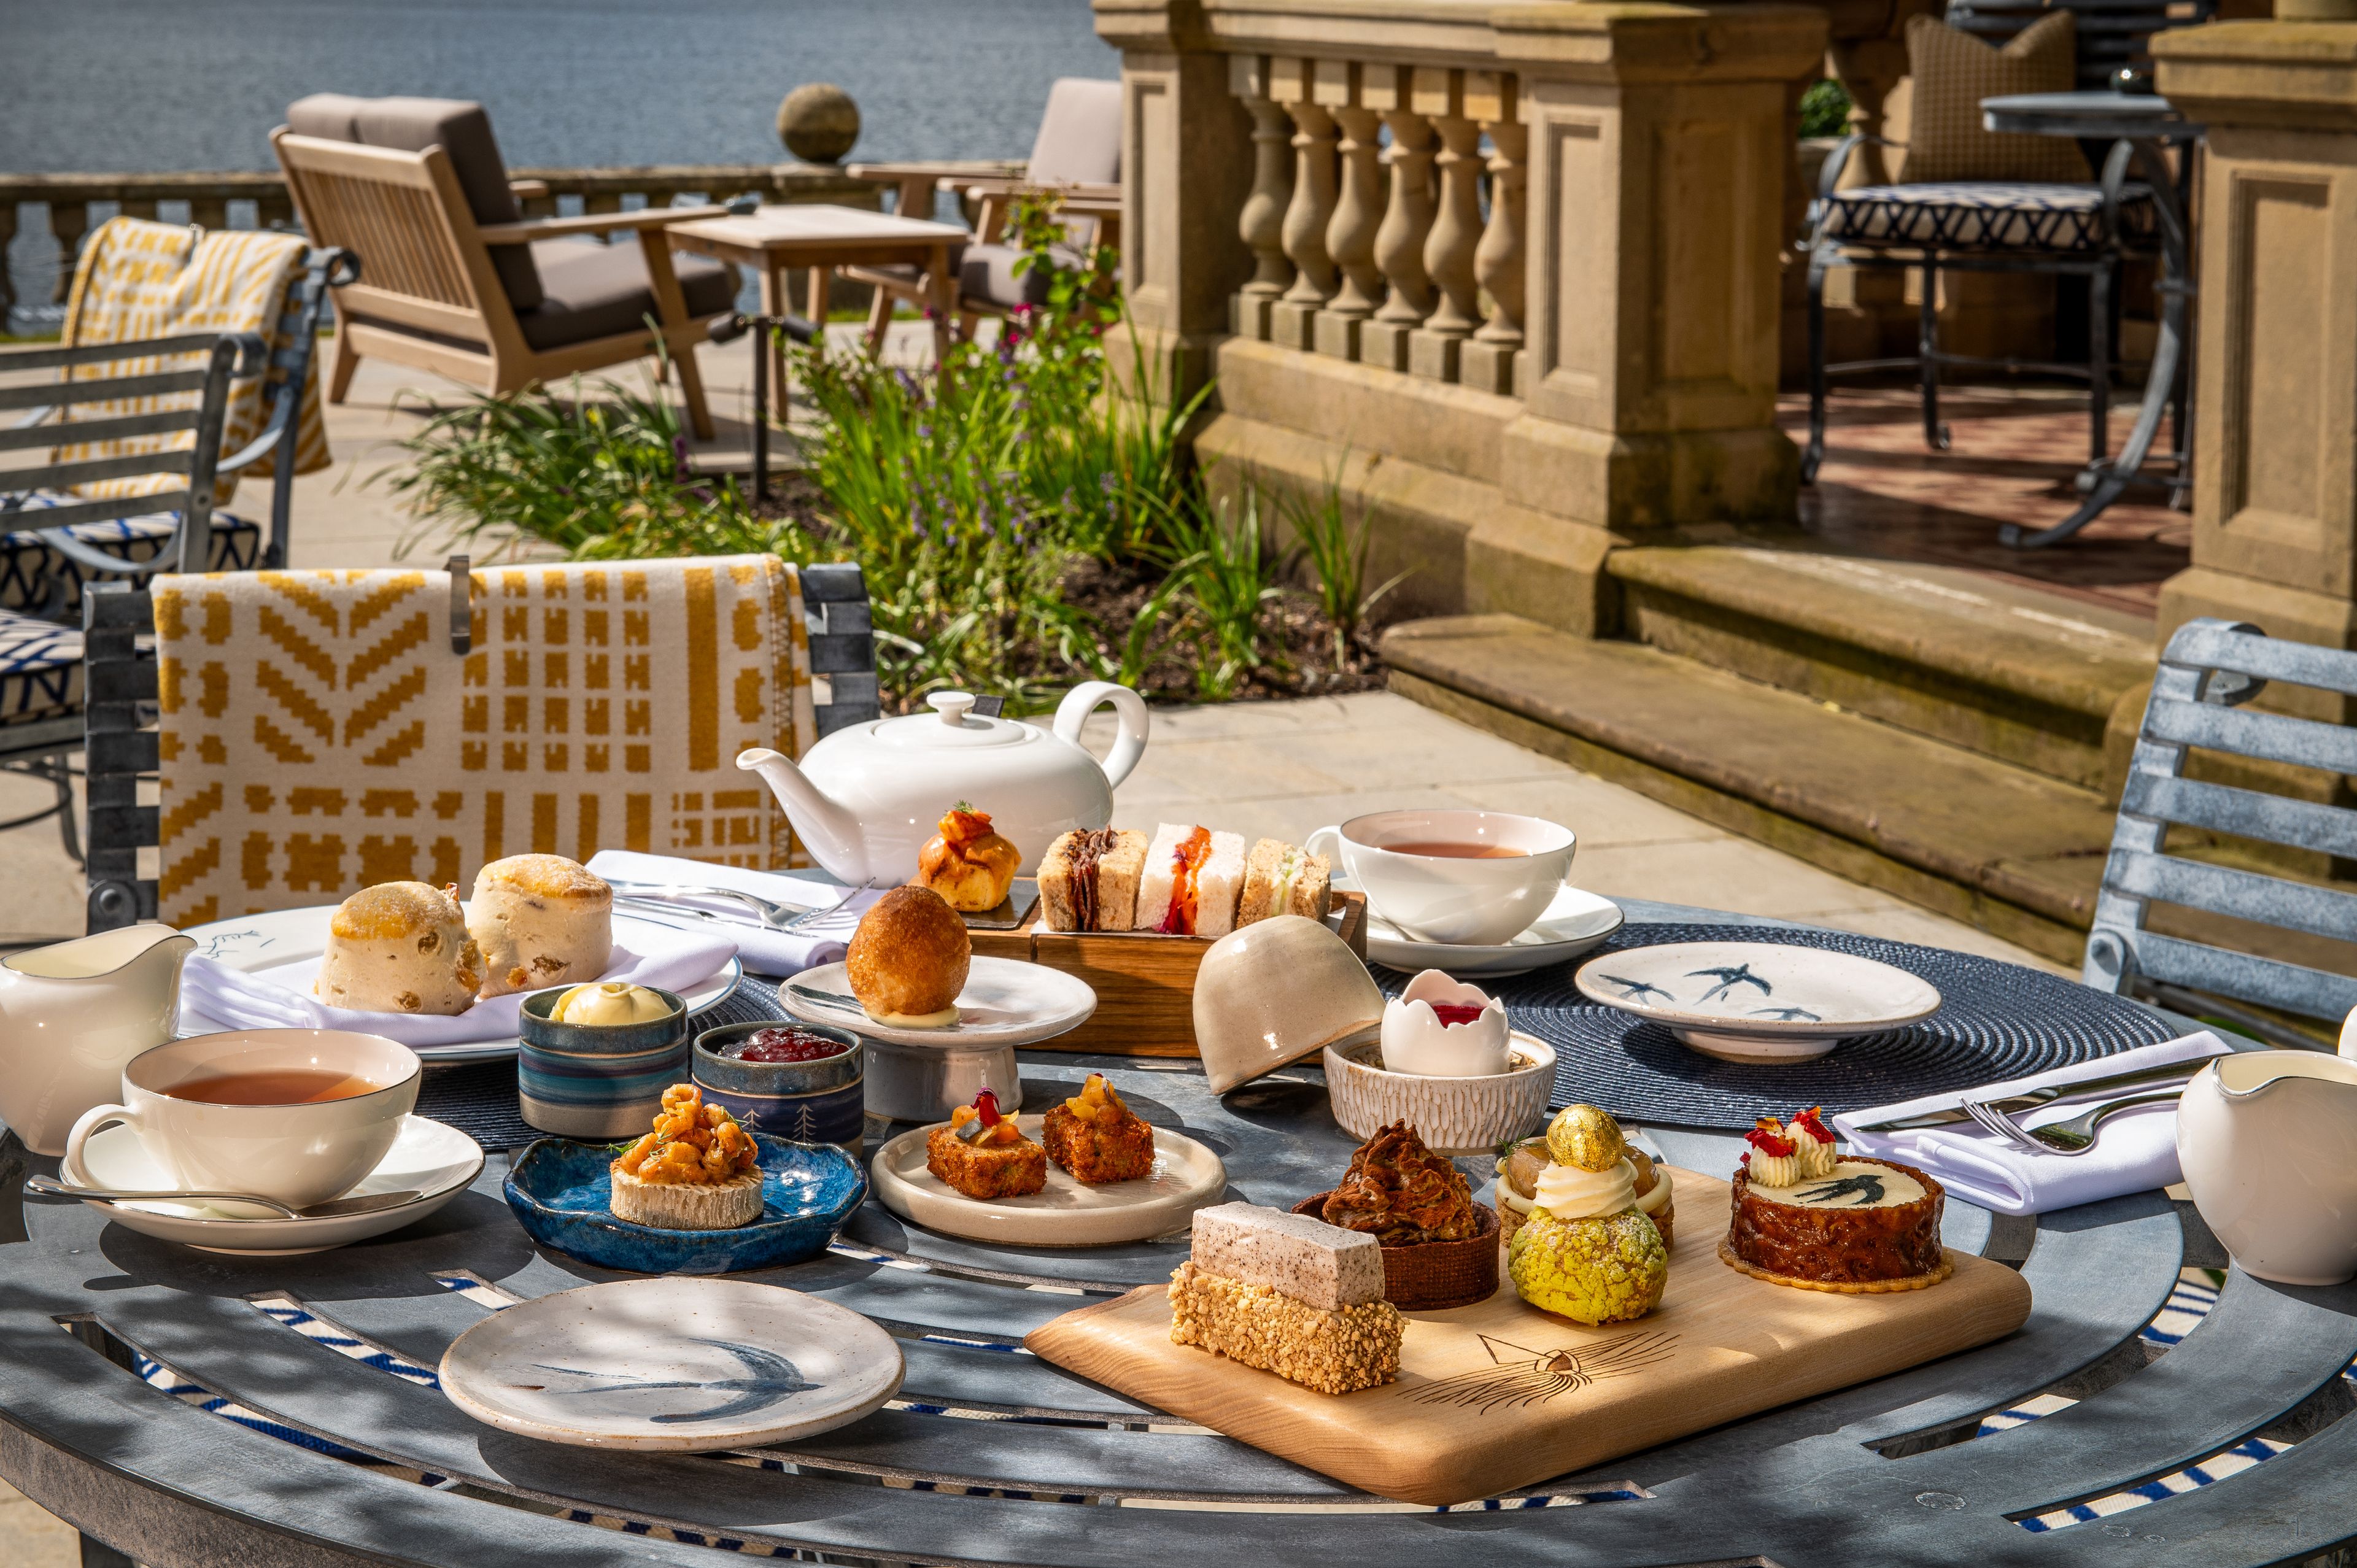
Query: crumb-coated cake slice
(1289, 1295)
(1096, 1137)
(984, 1154)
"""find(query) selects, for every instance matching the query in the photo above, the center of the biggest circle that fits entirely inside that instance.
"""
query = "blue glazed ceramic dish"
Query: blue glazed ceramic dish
(563, 1194)
(821, 1101)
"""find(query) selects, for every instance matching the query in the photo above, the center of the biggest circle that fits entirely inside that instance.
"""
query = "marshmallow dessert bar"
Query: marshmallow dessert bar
(1287, 1295)
(1089, 877)
(1284, 879)
(1193, 879)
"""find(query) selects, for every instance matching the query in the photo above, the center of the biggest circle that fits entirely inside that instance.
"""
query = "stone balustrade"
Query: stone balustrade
(263, 203)
(1509, 276)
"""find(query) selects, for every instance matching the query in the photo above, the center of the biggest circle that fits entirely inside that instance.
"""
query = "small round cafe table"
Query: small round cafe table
(190, 1411)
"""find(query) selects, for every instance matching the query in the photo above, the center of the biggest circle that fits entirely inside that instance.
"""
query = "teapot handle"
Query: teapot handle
(1127, 706)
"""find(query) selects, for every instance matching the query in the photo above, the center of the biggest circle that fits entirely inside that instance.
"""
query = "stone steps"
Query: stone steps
(2014, 851)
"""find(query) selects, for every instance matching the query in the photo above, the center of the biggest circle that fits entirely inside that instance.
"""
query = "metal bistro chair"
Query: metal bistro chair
(2210, 669)
(119, 707)
(2067, 229)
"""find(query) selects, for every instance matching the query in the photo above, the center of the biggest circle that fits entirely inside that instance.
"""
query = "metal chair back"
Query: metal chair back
(2112, 34)
(2210, 669)
(118, 711)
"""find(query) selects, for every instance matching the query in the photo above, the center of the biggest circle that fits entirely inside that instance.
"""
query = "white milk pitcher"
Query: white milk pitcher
(2268, 1144)
(71, 1013)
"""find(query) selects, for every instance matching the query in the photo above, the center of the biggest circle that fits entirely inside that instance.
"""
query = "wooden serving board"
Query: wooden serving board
(1502, 1396)
(1144, 983)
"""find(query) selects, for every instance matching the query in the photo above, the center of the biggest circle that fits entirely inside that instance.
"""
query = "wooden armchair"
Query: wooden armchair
(458, 283)
(1077, 152)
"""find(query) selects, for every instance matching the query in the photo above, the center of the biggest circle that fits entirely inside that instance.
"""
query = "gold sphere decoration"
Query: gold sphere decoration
(1585, 1137)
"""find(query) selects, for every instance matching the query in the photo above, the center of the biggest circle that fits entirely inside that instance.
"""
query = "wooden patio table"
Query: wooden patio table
(773, 241)
(1887, 1472)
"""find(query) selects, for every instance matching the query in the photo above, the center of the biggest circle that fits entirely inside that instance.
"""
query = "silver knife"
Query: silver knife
(2030, 1100)
(850, 1006)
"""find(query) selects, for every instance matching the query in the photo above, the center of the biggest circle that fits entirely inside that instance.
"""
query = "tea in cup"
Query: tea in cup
(1461, 877)
(298, 1115)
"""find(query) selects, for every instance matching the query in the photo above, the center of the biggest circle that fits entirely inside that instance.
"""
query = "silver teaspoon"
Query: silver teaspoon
(334, 1208)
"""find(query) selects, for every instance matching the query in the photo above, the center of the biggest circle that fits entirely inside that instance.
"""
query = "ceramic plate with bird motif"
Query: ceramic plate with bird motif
(674, 1365)
(1758, 1002)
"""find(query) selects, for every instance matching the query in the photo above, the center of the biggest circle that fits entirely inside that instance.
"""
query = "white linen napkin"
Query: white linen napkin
(2135, 1151)
(213, 994)
(765, 951)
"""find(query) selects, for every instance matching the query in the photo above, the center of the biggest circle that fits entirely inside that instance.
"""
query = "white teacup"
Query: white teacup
(1467, 899)
(299, 1151)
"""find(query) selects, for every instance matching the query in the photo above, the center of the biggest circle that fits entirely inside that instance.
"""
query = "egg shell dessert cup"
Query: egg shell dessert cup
(596, 1081)
(563, 1195)
(1452, 1116)
(819, 1101)
(1433, 1276)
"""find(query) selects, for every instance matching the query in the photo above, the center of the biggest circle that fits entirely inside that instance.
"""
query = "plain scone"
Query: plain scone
(541, 920)
(400, 946)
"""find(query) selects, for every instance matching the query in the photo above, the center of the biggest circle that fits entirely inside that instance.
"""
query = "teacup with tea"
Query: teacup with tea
(298, 1115)
(1465, 878)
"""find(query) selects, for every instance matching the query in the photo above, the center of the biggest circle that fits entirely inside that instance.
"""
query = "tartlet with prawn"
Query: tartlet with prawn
(698, 1170)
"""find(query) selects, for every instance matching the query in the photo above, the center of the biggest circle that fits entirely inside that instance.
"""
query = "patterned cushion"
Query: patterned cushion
(1953, 70)
(1966, 215)
(40, 670)
(30, 570)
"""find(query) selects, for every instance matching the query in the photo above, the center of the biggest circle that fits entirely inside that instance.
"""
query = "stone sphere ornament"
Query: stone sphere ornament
(818, 123)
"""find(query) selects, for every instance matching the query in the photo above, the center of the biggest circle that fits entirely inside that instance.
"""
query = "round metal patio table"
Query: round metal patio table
(1887, 1472)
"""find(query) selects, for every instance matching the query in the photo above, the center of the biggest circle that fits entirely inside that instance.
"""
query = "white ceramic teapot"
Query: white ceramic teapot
(2268, 1141)
(867, 798)
(71, 1013)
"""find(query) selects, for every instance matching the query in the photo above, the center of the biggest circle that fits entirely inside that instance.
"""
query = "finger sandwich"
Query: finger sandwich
(1193, 878)
(1087, 881)
(1284, 879)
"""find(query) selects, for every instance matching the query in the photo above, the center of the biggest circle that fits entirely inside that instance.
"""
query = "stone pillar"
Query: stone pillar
(1293, 322)
(1186, 170)
(1260, 224)
(1488, 361)
(1433, 349)
(2275, 466)
(1358, 211)
(1657, 167)
(1407, 220)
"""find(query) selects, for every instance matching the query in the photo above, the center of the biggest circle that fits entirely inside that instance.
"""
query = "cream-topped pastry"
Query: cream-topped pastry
(1439, 1027)
(608, 1004)
(541, 920)
(400, 946)
(1802, 1215)
(1586, 1251)
(1783, 1153)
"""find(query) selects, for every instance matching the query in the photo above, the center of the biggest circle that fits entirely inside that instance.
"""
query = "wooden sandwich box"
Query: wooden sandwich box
(1144, 983)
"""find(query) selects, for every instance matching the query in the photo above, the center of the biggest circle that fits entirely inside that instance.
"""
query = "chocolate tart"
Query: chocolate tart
(1880, 1246)
(1433, 1276)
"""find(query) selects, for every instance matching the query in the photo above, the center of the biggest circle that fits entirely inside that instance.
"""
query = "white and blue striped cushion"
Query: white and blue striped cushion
(40, 670)
(1980, 215)
(29, 568)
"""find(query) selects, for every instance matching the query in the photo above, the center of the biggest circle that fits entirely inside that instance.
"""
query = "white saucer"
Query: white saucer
(1006, 1002)
(1067, 1213)
(283, 938)
(679, 1364)
(437, 1160)
(1758, 1002)
(1575, 922)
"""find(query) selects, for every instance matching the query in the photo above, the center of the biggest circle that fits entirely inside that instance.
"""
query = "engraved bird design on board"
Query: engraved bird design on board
(1728, 979)
(774, 1378)
(1636, 990)
(1527, 1376)
(1867, 1189)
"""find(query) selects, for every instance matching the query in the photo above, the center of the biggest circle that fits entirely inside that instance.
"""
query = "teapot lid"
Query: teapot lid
(952, 725)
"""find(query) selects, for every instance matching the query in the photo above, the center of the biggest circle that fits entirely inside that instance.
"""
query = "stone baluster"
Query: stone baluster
(1358, 211)
(1261, 223)
(7, 280)
(138, 209)
(1488, 361)
(209, 213)
(1293, 321)
(275, 211)
(1407, 219)
(1434, 348)
(69, 220)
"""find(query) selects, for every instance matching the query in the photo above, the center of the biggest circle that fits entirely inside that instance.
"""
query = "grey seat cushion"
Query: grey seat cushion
(589, 290)
(1080, 135)
(987, 272)
(462, 130)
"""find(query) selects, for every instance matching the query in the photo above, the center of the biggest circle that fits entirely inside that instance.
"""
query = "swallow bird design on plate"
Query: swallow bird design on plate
(1787, 1014)
(773, 1380)
(1728, 979)
(1522, 1376)
(1636, 990)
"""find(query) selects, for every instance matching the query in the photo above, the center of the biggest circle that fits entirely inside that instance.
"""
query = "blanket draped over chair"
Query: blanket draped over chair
(319, 732)
(139, 279)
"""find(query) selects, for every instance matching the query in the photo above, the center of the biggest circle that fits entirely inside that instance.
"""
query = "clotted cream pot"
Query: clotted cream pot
(71, 1013)
(867, 797)
(2268, 1141)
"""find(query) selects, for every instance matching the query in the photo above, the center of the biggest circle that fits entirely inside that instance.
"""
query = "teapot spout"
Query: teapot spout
(829, 830)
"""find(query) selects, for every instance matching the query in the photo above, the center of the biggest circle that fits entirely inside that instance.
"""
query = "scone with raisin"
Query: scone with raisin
(541, 920)
(400, 946)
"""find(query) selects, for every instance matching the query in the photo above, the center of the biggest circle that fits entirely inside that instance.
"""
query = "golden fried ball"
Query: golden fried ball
(910, 955)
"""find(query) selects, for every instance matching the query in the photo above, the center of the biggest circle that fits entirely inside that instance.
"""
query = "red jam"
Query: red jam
(787, 1045)
(1455, 1012)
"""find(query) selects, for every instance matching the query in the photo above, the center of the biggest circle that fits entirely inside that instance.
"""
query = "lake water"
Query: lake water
(197, 84)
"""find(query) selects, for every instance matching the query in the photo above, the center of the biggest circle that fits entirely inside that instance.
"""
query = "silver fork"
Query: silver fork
(2073, 1136)
(775, 915)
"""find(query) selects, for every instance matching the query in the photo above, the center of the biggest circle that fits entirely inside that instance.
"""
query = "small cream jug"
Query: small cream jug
(2268, 1141)
(71, 1013)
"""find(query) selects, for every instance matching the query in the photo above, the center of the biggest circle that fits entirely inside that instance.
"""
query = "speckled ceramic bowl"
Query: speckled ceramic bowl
(1452, 1116)
(596, 1081)
(820, 1101)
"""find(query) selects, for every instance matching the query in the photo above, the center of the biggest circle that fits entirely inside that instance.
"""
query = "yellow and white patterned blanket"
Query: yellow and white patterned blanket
(318, 733)
(137, 279)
